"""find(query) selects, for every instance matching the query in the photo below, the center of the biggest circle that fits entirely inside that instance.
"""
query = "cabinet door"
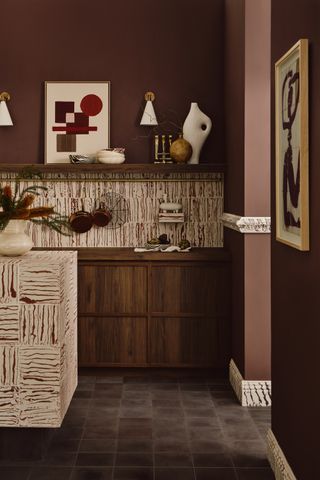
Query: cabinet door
(183, 341)
(193, 289)
(109, 289)
(112, 341)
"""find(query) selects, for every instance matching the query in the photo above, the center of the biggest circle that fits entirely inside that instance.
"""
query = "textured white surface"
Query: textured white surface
(201, 196)
(250, 393)
(246, 224)
(38, 335)
(277, 459)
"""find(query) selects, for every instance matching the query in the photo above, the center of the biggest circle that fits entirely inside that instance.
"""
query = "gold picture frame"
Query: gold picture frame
(77, 119)
(292, 147)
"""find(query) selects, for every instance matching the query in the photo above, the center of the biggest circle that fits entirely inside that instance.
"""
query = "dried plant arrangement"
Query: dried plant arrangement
(18, 206)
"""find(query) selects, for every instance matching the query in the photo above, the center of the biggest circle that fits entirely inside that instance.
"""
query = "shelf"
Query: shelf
(124, 168)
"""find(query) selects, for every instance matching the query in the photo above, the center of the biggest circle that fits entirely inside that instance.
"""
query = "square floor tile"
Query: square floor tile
(134, 460)
(95, 459)
(47, 473)
(135, 445)
(100, 432)
(98, 445)
(14, 473)
(174, 474)
(215, 474)
(136, 473)
(172, 460)
(91, 473)
(212, 460)
(255, 474)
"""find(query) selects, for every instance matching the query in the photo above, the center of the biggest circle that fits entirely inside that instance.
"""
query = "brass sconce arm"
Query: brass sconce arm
(4, 96)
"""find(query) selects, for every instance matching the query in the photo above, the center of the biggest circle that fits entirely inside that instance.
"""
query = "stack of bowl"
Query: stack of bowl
(111, 155)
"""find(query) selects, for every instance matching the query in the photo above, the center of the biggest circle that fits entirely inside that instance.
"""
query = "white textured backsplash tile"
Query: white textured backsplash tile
(201, 198)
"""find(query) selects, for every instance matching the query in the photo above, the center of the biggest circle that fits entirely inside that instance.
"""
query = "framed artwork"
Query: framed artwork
(77, 119)
(292, 147)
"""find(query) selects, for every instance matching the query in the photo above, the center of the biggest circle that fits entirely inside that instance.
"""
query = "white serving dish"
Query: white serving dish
(111, 160)
(169, 206)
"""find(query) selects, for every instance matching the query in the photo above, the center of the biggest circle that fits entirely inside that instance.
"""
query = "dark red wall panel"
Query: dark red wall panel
(173, 47)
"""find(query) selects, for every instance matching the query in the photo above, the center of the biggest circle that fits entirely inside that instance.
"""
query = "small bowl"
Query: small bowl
(111, 160)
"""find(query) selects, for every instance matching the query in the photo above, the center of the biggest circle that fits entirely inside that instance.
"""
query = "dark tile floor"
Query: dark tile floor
(154, 428)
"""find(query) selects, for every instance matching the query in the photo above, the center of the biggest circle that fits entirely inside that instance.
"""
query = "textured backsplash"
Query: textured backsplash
(201, 196)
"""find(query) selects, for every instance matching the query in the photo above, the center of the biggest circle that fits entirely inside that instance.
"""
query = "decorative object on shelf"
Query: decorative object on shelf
(111, 155)
(77, 119)
(162, 152)
(184, 244)
(149, 118)
(196, 129)
(170, 212)
(181, 150)
(5, 117)
(170, 207)
(81, 159)
(292, 171)
(16, 208)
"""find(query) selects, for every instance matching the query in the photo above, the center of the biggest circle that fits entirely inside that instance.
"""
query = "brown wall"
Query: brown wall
(295, 276)
(173, 47)
(234, 192)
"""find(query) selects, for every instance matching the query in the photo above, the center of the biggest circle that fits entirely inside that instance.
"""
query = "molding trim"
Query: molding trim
(277, 459)
(250, 393)
(246, 224)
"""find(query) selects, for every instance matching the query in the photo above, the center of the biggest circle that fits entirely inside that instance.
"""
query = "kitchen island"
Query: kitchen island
(38, 338)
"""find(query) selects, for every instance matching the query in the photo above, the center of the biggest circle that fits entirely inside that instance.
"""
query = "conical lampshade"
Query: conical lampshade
(5, 118)
(149, 117)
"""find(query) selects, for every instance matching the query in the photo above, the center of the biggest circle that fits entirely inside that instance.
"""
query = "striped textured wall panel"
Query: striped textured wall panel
(201, 197)
(38, 338)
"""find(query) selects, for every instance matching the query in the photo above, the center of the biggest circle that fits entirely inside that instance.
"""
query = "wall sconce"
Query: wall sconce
(149, 117)
(5, 118)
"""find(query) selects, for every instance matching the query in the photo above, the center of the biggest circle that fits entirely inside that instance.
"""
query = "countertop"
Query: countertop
(128, 254)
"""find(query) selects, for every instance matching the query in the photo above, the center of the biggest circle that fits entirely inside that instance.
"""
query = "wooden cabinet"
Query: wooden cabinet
(157, 311)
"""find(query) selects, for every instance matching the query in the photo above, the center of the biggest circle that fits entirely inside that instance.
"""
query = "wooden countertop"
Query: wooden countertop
(128, 254)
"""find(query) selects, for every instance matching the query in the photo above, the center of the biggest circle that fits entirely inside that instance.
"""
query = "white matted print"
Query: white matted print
(292, 182)
(77, 119)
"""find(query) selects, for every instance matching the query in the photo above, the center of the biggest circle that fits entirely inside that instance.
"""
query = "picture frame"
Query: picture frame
(292, 147)
(77, 119)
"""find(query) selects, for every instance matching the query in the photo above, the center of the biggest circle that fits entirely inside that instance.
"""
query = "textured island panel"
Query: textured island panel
(38, 338)
(8, 282)
(9, 323)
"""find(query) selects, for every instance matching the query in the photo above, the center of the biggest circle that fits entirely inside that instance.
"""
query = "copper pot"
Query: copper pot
(81, 221)
(101, 216)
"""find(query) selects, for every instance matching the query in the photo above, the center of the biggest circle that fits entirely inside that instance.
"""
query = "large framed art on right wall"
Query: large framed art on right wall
(292, 147)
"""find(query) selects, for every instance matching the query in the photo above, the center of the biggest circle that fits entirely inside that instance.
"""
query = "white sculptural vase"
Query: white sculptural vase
(13, 240)
(196, 129)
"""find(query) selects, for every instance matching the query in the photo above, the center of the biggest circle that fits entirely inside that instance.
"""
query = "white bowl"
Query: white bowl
(111, 160)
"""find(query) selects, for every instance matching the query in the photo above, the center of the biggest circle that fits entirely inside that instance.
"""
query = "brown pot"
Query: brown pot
(81, 221)
(101, 216)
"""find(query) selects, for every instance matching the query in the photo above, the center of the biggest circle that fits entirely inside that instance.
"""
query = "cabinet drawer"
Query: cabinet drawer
(189, 289)
(183, 341)
(112, 341)
(112, 289)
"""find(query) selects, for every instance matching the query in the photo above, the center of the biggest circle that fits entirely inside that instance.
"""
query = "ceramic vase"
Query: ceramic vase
(13, 240)
(196, 129)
